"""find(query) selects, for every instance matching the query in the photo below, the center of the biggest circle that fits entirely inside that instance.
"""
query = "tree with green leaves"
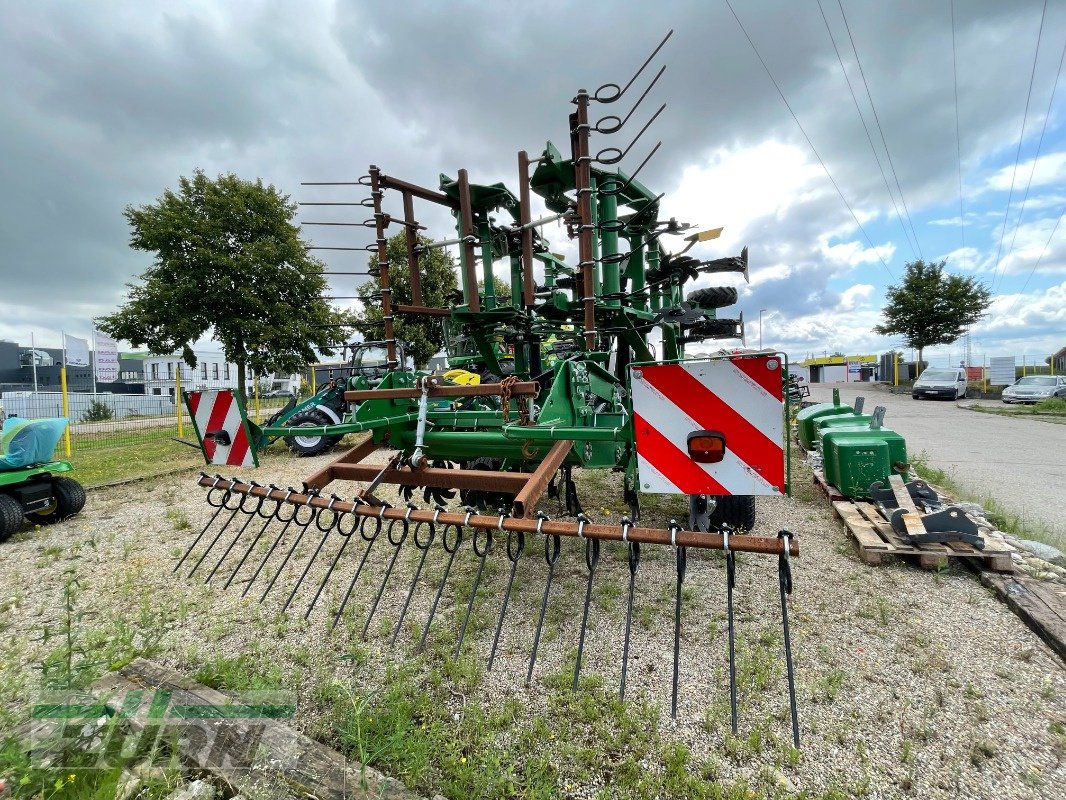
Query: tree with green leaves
(425, 335)
(929, 308)
(230, 262)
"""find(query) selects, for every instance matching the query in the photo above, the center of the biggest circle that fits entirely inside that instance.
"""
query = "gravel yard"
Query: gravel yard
(910, 683)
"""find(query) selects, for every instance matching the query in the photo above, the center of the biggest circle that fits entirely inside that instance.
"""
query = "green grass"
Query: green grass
(104, 465)
(1052, 410)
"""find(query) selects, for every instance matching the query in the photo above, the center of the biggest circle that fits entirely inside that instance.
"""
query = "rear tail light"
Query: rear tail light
(706, 447)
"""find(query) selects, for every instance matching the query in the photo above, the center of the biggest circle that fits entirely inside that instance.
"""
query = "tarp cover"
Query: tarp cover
(24, 442)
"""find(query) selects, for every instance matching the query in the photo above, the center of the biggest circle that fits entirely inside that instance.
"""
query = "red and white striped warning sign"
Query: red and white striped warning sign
(220, 410)
(739, 396)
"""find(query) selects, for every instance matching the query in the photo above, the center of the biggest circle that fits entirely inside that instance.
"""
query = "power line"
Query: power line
(866, 128)
(1018, 155)
(877, 119)
(808, 138)
(1032, 272)
(958, 137)
(1039, 146)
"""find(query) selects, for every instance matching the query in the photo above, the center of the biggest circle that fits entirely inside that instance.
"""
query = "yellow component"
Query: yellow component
(462, 377)
(704, 236)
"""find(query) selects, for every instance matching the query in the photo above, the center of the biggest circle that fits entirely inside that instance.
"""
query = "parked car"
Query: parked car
(1034, 388)
(939, 382)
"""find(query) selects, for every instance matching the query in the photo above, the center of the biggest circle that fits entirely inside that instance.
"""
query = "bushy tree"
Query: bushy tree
(929, 308)
(230, 262)
(424, 334)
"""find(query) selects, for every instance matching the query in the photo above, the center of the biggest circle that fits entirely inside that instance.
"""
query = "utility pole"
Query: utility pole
(761, 310)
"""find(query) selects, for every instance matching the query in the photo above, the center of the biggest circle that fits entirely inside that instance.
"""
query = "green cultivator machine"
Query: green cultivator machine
(471, 462)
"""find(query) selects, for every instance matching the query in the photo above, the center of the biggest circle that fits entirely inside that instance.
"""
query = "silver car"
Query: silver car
(1035, 388)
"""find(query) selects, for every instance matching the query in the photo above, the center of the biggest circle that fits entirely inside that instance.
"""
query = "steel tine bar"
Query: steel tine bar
(550, 556)
(514, 555)
(362, 562)
(333, 564)
(335, 517)
(484, 553)
(592, 558)
(296, 543)
(240, 507)
(266, 522)
(218, 510)
(618, 92)
(617, 123)
(397, 546)
(432, 528)
(277, 540)
(452, 550)
(784, 580)
(731, 580)
(607, 160)
(681, 555)
(634, 563)
(257, 511)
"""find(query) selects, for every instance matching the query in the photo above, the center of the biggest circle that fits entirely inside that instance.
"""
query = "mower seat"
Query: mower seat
(25, 442)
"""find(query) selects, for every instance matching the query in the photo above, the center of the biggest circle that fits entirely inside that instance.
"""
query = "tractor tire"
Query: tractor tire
(68, 498)
(713, 329)
(714, 297)
(736, 510)
(310, 445)
(10, 516)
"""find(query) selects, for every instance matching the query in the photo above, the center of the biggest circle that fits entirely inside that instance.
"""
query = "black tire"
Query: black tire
(310, 445)
(713, 329)
(714, 297)
(735, 510)
(68, 498)
(10, 516)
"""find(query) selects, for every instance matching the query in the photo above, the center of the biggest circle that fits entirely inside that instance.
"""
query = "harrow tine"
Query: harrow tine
(257, 511)
(592, 559)
(397, 546)
(731, 581)
(334, 519)
(358, 570)
(550, 556)
(784, 581)
(424, 547)
(682, 564)
(271, 516)
(514, 555)
(226, 493)
(340, 551)
(240, 507)
(303, 526)
(451, 551)
(277, 540)
(634, 563)
(483, 553)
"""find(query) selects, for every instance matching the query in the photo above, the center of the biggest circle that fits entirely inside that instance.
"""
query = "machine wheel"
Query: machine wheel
(735, 510)
(713, 329)
(310, 445)
(68, 498)
(10, 516)
(714, 297)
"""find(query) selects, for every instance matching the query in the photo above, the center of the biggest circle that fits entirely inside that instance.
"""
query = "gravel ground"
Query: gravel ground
(911, 683)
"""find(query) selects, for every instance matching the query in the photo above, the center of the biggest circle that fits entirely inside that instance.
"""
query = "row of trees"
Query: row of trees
(229, 262)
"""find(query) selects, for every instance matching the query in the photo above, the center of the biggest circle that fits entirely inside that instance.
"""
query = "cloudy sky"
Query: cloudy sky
(105, 104)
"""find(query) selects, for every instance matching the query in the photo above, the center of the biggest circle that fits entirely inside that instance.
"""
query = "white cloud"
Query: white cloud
(854, 253)
(1049, 169)
(855, 296)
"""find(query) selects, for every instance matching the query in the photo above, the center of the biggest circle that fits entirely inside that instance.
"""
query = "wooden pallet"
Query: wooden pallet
(831, 492)
(876, 539)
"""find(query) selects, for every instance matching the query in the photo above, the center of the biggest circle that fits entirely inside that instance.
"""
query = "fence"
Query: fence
(984, 372)
(118, 420)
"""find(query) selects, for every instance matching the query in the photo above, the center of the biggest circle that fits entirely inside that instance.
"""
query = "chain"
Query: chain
(505, 396)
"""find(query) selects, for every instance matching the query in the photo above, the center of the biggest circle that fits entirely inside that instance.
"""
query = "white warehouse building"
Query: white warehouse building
(212, 371)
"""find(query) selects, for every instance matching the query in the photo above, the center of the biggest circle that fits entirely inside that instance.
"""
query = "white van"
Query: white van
(949, 382)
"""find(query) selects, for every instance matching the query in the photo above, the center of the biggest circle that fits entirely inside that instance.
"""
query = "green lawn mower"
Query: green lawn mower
(31, 484)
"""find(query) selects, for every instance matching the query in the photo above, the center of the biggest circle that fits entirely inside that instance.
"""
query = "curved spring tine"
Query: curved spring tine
(218, 510)
(617, 186)
(397, 545)
(617, 153)
(268, 518)
(618, 123)
(634, 564)
(682, 563)
(514, 556)
(611, 98)
(473, 592)
(322, 542)
(731, 580)
(232, 544)
(432, 528)
(550, 556)
(784, 581)
(277, 540)
(362, 562)
(332, 565)
(240, 507)
(444, 578)
(592, 559)
(303, 526)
